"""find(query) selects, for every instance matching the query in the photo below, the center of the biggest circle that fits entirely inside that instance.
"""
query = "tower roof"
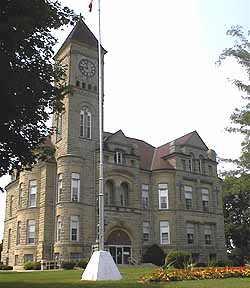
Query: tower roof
(81, 33)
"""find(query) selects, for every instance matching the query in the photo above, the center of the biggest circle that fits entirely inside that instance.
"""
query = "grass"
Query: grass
(71, 279)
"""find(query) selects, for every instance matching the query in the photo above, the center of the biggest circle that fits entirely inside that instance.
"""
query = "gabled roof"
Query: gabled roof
(190, 138)
(82, 34)
(146, 152)
(152, 158)
(118, 134)
(158, 162)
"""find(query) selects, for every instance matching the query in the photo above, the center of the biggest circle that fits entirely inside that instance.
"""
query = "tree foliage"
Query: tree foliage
(237, 217)
(236, 186)
(27, 77)
(240, 119)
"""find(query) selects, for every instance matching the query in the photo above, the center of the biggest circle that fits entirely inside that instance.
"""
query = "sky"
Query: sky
(161, 80)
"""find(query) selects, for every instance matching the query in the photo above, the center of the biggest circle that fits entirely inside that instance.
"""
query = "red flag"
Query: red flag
(90, 5)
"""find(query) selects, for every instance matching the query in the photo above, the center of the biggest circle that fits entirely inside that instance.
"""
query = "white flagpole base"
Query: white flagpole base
(101, 266)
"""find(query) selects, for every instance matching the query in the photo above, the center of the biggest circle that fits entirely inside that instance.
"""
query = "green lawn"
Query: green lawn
(71, 279)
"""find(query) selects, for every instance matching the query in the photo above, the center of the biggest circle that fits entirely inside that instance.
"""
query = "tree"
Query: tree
(27, 74)
(240, 119)
(237, 217)
(236, 186)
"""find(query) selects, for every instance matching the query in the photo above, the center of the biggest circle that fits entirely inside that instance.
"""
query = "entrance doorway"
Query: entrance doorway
(120, 254)
(120, 247)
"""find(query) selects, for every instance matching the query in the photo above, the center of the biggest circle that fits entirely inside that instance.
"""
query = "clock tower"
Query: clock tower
(79, 125)
(76, 141)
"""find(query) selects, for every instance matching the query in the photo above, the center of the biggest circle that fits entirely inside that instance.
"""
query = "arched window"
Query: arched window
(109, 193)
(124, 194)
(85, 123)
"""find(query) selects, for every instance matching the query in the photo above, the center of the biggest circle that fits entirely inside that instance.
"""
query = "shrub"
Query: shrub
(6, 267)
(82, 263)
(155, 255)
(28, 265)
(68, 265)
(36, 266)
(201, 264)
(224, 263)
(178, 258)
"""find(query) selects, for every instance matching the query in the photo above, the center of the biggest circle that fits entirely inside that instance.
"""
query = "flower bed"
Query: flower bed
(196, 274)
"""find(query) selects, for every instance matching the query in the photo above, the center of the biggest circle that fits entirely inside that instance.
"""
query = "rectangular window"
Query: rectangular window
(75, 187)
(145, 196)
(9, 239)
(163, 196)
(188, 197)
(16, 260)
(58, 126)
(88, 126)
(74, 228)
(20, 195)
(32, 193)
(31, 231)
(81, 124)
(59, 228)
(183, 163)
(190, 166)
(190, 233)
(164, 232)
(27, 258)
(208, 234)
(145, 231)
(210, 170)
(18, 233)
(118, 157)
(59, 187)
(205, 199)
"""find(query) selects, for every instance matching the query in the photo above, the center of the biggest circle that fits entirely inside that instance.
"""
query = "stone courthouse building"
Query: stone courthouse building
(168, 195)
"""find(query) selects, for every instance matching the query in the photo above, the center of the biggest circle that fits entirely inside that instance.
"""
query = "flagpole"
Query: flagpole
(101, 178)
(101, 265)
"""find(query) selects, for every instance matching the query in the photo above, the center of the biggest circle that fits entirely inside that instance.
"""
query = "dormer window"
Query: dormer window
(118, 157)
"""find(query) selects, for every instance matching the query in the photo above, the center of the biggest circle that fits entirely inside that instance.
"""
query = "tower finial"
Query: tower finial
(81, 16)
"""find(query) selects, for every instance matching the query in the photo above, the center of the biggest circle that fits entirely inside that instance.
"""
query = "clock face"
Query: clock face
(87, 68)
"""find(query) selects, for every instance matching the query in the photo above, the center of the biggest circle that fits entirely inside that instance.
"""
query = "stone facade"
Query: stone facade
(169, 195)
